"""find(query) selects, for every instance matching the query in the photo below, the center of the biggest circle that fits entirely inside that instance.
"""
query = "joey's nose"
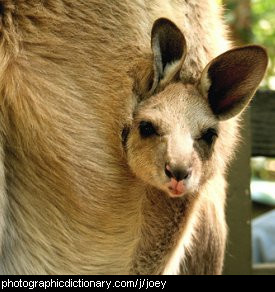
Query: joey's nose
(178, 173)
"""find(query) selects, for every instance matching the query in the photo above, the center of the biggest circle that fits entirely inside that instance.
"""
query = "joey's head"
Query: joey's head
(173, 142)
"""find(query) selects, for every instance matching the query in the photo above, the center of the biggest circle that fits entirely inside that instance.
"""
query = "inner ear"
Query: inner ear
(169, 50)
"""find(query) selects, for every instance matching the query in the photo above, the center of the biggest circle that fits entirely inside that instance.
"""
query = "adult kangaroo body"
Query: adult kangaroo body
(116, 125)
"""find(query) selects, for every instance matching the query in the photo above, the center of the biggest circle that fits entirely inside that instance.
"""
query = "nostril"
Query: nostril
(168, 171)
(187, 173)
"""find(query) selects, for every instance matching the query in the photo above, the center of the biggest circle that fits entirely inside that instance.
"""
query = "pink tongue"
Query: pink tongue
(177, 187)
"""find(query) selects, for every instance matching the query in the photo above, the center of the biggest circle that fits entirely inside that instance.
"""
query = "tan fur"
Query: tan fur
(71, 75)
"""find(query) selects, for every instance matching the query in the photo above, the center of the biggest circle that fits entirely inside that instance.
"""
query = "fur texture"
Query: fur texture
(74, 199)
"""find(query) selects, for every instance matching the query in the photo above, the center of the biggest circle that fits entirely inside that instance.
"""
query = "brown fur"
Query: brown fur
(73, 200)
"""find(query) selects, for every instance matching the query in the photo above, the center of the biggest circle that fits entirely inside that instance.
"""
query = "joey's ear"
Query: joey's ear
(169, 50)
(230, 80)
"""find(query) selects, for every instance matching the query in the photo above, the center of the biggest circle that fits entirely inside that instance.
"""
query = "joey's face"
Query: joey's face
(172, 139)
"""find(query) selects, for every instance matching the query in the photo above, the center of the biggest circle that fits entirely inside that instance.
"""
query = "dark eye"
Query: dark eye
(209, 136)
(147, 129)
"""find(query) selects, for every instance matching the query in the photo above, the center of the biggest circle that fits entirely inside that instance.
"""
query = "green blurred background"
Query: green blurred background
(253, 21)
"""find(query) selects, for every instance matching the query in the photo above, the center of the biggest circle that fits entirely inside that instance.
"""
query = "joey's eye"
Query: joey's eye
(147, 129)
(209, 136)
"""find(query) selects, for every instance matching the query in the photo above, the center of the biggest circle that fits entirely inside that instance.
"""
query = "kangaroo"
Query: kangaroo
(118, 121)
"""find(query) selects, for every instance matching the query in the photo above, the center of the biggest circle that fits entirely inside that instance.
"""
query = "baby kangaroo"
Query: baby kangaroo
(182, 137)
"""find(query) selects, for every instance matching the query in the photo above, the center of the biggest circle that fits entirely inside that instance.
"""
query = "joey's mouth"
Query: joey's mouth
(176, 188)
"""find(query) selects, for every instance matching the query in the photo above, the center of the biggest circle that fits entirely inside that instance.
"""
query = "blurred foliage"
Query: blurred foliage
(263, 28)
(263, 168)
(238, 15)
(253, 21)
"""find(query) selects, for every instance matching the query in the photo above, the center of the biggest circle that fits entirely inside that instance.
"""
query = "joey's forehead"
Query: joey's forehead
(177, 105)
(175, 97)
